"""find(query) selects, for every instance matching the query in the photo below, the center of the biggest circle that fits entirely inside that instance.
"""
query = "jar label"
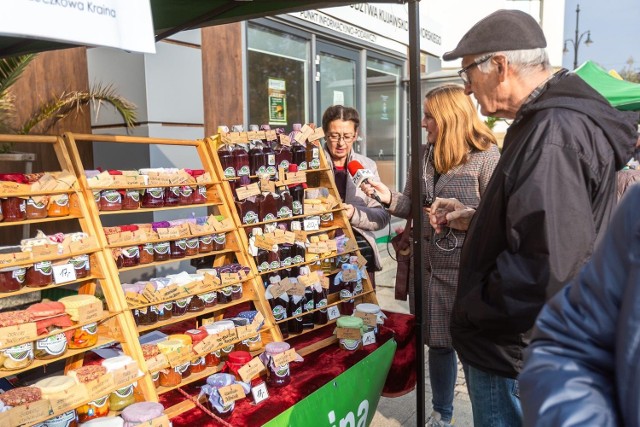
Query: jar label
(308, 306)
(91, 328)
(326, 217)
(250, 218)
(63, 420)
(244, 170)
(281, 371)
(302, 166)
(296, 312)
(175, 191)
(298, 259)
(229, 172)
(181, 244)
(181, 303)
(156, 193)
(297, 208)
(287, 261)
(322, 304)
(271, 161)
(133, 195)
(206, 240)
(19, 274)
(35, 204)
(228, 349)
(279, 312)
(43, 268)
(63, 200)
(284, 164)
(227, 290)
(358, 288)
(220, 239)
(54, 345)
(80, 262)
(198, 361)
(111, 196)
(148, 248)
(202, 191)
(350, 344)
(275, 264)
(20, 352)
(96, 196)
(264, 266)
(132, 252)
(186, 191)
(269, 217)
(161, 248)
(155, 376)
(182, 368)
(124, 391)
(344, 294)
(236, 289)
(99, 403)
(261, 170)
(23, 206)
(209, 297)
(168, 306)
(285, 212)
(192, 243)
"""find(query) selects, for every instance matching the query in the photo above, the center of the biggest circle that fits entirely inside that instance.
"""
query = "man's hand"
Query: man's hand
(450, 213)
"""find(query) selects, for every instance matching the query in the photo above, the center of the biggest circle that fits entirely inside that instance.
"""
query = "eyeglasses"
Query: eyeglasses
(464, 73)
(335, 137)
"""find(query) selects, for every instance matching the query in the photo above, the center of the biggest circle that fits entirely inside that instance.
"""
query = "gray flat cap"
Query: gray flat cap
(502, 30)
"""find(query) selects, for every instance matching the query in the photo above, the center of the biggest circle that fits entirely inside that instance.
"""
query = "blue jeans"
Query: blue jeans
(443, 370)
(495, 400)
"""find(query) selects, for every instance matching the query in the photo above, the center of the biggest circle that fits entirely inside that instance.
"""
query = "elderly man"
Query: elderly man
(549, 199)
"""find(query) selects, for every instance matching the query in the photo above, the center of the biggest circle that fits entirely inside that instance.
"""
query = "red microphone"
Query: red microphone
(361, 175)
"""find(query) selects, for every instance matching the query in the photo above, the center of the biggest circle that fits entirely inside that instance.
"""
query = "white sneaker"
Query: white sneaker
(435, 420)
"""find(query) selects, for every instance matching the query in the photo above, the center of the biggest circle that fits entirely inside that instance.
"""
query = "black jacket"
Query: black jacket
(550, 197)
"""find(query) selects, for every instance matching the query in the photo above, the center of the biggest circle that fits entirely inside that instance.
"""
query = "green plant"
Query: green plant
(491, 122)
(57, 108)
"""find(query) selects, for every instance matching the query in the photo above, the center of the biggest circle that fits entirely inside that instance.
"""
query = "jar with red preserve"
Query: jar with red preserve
(146, 253)
(186, 195)
(153, 198)
(219, 241)
(12, 279)
(117, 257)
(85, 336)
(236, 292)
(205, 244)
(130, 256)
(193, 245)
(197, 335)
(58, 205)
(178, 248)
(81, 265)
(179, 307)
(236, 360)
(144, 316)
(225, 295)
(37, 208)
(195, 304)
(110, 200)
(131, 199)
(165, 311)
(40, 274)
(210, 299)
(199, 196)
(161, 251)
(172, 196)
(14, 209)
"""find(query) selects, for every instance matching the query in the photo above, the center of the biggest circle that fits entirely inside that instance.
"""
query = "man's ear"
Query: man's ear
(501, 65)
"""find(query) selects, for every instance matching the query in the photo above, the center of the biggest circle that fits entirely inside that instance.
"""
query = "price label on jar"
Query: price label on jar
(264, 242)
(157, 363)
(297, 289)
(266, 185)
(245, 332)
(168, 233)
(231, 393)
(101, 386)
(226, 338)
(176, 358)
(279, 288)
(282, 359)
(296, 178)
(333, 312)
(150, 293)
(259, 393)
(311, 224)
(134, 299)
(248, 191)
(64, 273)
(332, 245)
(285, 140)
(12, 335)
(229, 278)
(206, 346)
(368, 338)
(361, 261)
(257, 321)
(83, 245)
(304, 134)
(170, 292)
(348, 333)
(368, 319)
(309, 279)
(251, 370)
(349, 275)
(324, 282)
(350, 246)
(90, 312)
(70, 398)
(44, 251)
(317, 134)
(126, 375)
(29, 413)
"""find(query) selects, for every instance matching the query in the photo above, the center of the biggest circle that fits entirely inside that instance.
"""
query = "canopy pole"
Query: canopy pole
(417, 213)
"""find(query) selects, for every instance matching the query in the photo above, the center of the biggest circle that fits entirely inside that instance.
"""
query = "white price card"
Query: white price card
(311, 223)
(368, 338)
(64, 273)
(260, 393)
(333, 312)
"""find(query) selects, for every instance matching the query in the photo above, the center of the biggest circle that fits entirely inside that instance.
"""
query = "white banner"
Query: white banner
(124, 24)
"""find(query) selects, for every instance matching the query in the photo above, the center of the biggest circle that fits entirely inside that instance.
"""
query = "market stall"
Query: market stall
(622, 94)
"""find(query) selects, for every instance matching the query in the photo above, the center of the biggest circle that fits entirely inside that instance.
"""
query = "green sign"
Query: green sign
(350, 400)
(277, 102)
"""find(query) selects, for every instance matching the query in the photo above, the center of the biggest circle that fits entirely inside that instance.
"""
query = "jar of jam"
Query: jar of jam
(172, 196)
(96, 198)
(220, 326)
(236, 292)
(130, 256)
(210, 299)
(351, 322)
(237, 359)
(277, 376)
(198, 364)
(155, 377)
(110, 200)
(195, 304)
(179, 307)
(170, 377)
(225, 295)
(205, 244)
(85, 336)
(153, 198)
(214, 401)
(212, 359)
(144, 316)
(16, 357)
(59, 205)
(130, 199)
(178, 248)
(192, 244)
(68, 419)
(14, 209)
(122, 397)
(12, 279)
(81, 265)
(37, 208)
(367, 308)
(186, 195)
(94, 409)
(39, 274)
(51, 347)
(146, 253)
(165, 310)
(199, 196)
(161, 251)
(117, 257)
(219, 241)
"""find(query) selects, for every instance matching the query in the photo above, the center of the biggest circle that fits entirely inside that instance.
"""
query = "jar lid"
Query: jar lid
(350, 322)
(220, 380)
(225, 324)
(368, 308)
(183, 338)
(142, 411)
(104, 422)
(196, 335)
(239, 357)
(211, 271)
(276, 347)
(115, 363)
(55, 384)
(169, 346)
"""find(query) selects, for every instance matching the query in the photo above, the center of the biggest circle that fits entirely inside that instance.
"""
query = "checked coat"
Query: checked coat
(467, 183)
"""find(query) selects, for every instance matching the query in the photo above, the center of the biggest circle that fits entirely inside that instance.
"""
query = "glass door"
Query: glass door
(336, 77)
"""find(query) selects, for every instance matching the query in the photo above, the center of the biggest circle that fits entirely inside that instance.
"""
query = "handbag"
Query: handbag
(403, 257)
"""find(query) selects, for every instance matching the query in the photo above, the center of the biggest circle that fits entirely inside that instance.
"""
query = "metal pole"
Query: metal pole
(415, 100)
(575, 41)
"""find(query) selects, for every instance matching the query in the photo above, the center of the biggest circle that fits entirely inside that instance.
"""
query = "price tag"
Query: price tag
(168, 233)
(231, 393)
(170, 292)
(301, 235)
(332, 245)
(252, 135)
(210, 280)
(248, 191)
(159, 180)
(64, 273)
(12, 335)
(27, 414)
(368, 319)
(208, 321)
(333, 312)
(318, 248)
(296, 178)
(266, 185)
(15, 257)
(90, 312)
(264, 242)
(42, 251)
(134, 299)
(311, 224)
(297, 289)
(226, 338)
(190, 288)
(288, 237)
(126, 375)
(309, 279)
(304, 134)
(349, 275)
(101, 386)
(311, 209)
(279, 288)
(317, 134)
(229, 278)
(259, 393)
(69, 398)
(257, 321)
(350, 246)
(245, 332)
(161, 421)
(150, 293)
(9, 187)
(177, 358)
(368, 338)
(270, 135)
(206, 346)
(348, 333)
(157, 363)
(202, 287)
(285, 140)
(251, 370)
(282, 359)
(361, 261)
(83, 245)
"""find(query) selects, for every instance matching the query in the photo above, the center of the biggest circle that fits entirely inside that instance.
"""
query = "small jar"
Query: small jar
(155, 377)
(85, 336)
(110, 200)
(374, 309)
(179, 307)
(16, 357)
(153, 198)
(352, 323)
(225, 295)
(14, 209)
(59, 206)
(131, 199)
(164, 311)
(186, 195)
(130, 256)
(170, 377)
(195, 304)
(37, 209)
(277, 376)
(198, 364)
(122, 397)
(51, 347)
(172, 196)
(199, 196)
(117, 257)
(219, 241)
(12, 279)
(144, 316)
(141, 413)
(236, 292)
(39, 274)
(212, 359)
(96, 198)
(68, 419)
(237, 359)
(81, 265)
(217, 327)
(146, 253)
(210, 299)
(192, 246)
(205, 244)
(214, 401)
(95, 409)
(177, 248)
(161, 251)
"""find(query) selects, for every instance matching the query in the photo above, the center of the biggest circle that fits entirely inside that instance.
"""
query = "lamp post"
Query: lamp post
(577, 40)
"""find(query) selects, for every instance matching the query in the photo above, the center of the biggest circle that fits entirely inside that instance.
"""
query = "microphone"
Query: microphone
(361, 175)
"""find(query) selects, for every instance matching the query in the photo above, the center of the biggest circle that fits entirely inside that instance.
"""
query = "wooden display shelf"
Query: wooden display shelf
(301, 264)
(169, 261)
(146, 210)
(38, 221)
(235, 178)
(38, 193)
(190, 236)
(52, 258)
(142, 187)
(291, 218)
(28, 290)
(360, 296)
(192, 378)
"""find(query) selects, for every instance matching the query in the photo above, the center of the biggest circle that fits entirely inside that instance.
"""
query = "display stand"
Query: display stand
(233, 252)
(114, 321)
(322, 177)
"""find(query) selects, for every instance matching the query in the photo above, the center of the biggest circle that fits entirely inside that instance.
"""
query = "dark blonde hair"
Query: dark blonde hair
(459, 127)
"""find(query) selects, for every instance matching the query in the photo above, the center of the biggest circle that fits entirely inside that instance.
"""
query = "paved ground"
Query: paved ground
(401, 411)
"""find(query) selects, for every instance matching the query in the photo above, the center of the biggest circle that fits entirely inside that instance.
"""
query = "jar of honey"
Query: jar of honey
(85, 336)
(59, 205)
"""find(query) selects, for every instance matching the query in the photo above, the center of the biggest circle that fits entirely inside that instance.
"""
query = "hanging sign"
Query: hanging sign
(277, 102)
